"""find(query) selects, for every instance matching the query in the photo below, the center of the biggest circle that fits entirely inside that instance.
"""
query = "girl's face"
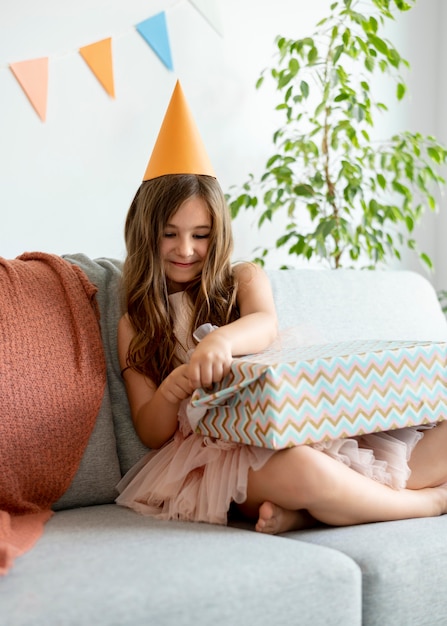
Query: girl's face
(185, 242)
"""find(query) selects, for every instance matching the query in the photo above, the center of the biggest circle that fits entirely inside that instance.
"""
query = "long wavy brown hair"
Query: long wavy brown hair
(145, 292)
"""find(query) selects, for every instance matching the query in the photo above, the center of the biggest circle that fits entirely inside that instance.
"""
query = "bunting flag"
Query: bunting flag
(208, 9)
(98, 57)
(155, 32)
(32, 76)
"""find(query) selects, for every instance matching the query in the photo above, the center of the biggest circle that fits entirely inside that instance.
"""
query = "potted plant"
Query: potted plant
(344, 197)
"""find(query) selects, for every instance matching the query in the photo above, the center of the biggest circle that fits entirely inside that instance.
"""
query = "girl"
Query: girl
(178, 276)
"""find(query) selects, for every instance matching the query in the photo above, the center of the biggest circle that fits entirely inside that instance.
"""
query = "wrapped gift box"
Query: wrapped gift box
(291, 394)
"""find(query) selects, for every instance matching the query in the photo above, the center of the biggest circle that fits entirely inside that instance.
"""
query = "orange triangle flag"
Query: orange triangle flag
(32, 76)
(98, 57)
(179, 148)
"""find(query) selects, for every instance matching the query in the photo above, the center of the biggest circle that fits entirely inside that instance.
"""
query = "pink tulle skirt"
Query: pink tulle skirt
(381, 456)
(191, 478)
(196, 478)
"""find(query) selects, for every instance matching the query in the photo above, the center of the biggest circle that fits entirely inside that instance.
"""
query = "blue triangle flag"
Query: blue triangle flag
(155, 32)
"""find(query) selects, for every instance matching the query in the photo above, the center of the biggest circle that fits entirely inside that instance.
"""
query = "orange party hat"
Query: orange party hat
(179, 148)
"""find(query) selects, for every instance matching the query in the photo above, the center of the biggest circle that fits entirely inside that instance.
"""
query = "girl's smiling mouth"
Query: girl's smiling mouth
(181, 264)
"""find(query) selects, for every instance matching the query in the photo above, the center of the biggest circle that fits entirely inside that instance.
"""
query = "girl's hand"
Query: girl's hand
(210, 361)
(177, 386)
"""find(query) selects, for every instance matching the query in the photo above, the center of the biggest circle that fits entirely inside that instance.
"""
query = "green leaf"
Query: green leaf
(369, 64)
(360, 113)
(298, 247)
(284, 79)
(273, 160)
(434, 154)
(400, 91)
(312, 55)
(378, 43)
(381, 180)
(294, 66)
(341, 96)
(362, 45)
(394, 57)
(402, 5)
(337, 54)
(346, 37)
(427, 260)
(373, 24)
(402, 189)
(409, 223)
(282, 173)
(303, 190)
(283, 240)
(289, 93)
(304, 88)
(365, 135)
(280, 42)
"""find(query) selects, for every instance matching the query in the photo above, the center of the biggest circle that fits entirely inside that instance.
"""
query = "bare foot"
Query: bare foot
(274, 520)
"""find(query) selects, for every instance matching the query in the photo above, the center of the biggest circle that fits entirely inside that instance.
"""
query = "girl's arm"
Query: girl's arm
(252, 332)
(154, 411)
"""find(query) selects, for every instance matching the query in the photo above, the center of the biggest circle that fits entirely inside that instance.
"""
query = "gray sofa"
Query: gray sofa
(98, 563)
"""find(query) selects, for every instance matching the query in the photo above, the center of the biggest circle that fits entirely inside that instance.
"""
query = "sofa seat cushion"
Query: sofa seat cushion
(402, 563)
(109, 565)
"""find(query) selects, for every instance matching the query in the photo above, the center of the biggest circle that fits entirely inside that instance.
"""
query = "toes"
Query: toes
(267, 518)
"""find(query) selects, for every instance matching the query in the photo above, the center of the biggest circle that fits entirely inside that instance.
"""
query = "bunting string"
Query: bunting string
(33, 74)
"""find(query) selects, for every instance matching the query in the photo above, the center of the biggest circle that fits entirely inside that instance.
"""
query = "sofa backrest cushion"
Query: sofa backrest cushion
(345, 305)
(105, 273)
(99, 470)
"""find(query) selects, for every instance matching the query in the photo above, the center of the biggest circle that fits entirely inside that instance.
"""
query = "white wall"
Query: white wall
(440, 222)
(419, 36)
(66, 184)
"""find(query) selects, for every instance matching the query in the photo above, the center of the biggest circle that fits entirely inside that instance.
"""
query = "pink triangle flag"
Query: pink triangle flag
(98, 57)
(32, 76)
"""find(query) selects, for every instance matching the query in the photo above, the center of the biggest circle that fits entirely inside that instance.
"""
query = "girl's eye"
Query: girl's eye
(168, 235)
(202, 236)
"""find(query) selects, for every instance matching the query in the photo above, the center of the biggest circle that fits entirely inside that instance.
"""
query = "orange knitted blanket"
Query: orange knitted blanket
(52, 378)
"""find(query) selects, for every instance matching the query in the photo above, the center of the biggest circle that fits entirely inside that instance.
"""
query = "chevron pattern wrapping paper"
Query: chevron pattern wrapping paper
(291, 395)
